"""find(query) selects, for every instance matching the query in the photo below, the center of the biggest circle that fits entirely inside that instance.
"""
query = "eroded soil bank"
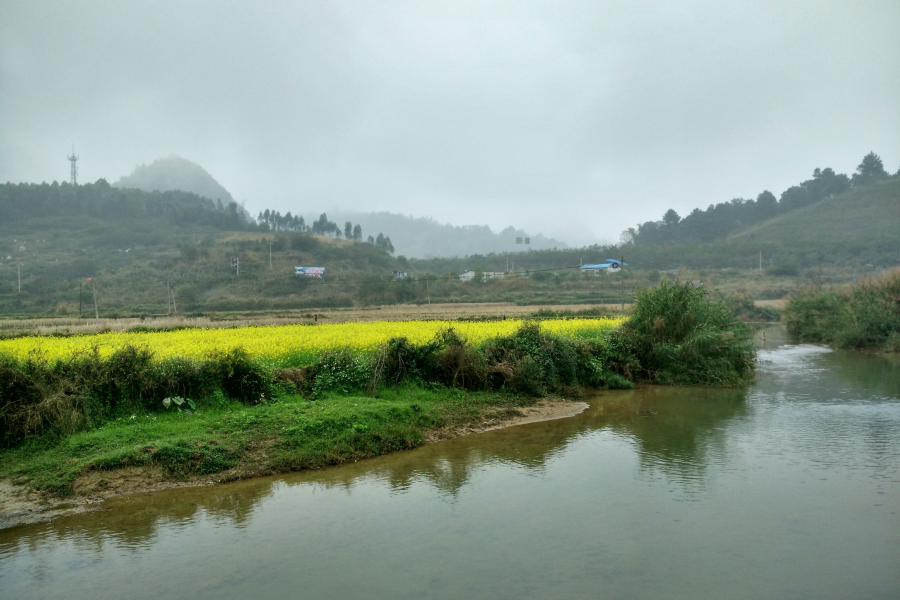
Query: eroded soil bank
(22, 505)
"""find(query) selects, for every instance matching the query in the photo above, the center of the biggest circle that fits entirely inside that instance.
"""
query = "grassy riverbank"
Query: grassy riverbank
(242, 412)
(233, 440)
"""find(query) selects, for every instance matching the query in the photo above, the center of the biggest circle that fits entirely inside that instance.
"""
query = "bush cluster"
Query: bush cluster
(866, 315)
(529, 362)
(679, 336)
(38, 397)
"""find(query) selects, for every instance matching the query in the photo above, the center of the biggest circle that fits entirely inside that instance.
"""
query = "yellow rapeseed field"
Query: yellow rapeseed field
(297, 343)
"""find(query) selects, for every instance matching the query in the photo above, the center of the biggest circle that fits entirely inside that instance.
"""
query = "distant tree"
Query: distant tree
(479, 276)
(348, 230)
(870, 170)
(379, 241)
(671, 218)
(387, 245)
(357, 232)
(325, 227)
(371, 240)
(826, 183)
(766, 206)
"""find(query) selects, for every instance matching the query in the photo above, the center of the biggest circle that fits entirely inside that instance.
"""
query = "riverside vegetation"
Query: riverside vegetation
(862, 316)
(238, 414)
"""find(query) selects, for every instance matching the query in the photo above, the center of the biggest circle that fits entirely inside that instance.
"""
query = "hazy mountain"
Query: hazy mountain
(175, 173)
(423, 237)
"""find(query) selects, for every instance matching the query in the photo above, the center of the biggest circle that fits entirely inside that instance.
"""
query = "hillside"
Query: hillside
(867, 212)
(175, 173)
(721, 221)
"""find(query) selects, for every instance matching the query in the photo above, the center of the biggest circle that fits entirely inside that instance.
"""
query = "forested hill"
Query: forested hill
(866, 186)
(46, 207)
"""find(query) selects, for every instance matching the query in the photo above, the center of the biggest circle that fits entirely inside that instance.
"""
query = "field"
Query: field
(286, 345)
(398, 312)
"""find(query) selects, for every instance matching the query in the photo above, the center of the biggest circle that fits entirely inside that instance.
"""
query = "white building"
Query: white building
(470, 275)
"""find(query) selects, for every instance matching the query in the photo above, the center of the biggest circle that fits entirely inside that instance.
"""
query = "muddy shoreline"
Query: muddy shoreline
(20, 505)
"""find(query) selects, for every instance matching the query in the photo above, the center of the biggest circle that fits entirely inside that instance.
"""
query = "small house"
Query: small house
(610, 266)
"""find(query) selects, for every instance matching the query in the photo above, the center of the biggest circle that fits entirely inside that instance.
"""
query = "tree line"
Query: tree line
(100, 200)
(721, 220)
(272, 220)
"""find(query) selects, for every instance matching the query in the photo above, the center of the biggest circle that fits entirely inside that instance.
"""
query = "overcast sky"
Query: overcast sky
(575, 119)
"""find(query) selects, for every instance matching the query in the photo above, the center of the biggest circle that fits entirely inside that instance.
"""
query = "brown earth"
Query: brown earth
(776, 304)
(396, 312)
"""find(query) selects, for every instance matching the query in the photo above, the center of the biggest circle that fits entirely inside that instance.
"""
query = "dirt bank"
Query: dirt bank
(20, 505)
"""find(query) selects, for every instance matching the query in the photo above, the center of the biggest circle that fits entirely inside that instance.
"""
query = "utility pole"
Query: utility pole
(174, 307)
(168, 298)
(427, 295)
(623, 283)
(270, 255)
(760, 260)
(19, 276)
(96, 310)
(80, 290)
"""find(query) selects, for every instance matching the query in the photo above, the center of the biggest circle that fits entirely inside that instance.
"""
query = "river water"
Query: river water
(787, 489)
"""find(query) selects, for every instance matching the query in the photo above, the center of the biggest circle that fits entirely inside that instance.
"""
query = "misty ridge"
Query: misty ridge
(419, 237)
(184, 194)
(424, 237)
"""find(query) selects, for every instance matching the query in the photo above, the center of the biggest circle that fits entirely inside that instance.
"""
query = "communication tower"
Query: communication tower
(73, 159)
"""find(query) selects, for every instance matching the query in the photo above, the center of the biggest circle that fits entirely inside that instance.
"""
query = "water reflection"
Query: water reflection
(868, 372)
(675, 430)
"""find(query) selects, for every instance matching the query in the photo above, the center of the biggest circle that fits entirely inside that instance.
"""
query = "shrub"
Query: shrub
(404, 360)
(239, 376)
(342, 371)
(460, 364)
(681, 337)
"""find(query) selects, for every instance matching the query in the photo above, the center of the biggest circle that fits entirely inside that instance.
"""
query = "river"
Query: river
(789, 488)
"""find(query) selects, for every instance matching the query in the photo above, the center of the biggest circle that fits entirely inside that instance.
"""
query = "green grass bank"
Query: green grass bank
(233, 440)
